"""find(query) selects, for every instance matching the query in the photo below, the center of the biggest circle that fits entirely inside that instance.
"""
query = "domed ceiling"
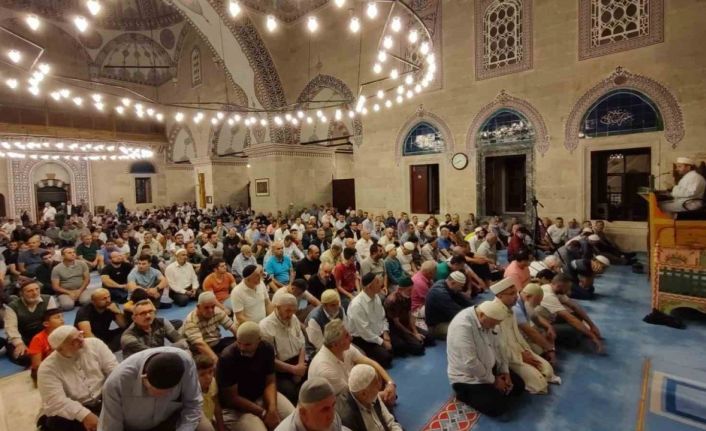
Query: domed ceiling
(130, 15)
(286, 10)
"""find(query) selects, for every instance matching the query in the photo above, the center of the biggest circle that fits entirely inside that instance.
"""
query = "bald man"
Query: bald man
(96, 317)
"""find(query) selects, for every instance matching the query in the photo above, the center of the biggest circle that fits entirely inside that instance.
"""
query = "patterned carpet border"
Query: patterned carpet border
(453, 416)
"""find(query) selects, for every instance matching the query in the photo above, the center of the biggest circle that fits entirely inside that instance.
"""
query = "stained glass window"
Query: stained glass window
(506, 126)
(621, 112)
(423, 139)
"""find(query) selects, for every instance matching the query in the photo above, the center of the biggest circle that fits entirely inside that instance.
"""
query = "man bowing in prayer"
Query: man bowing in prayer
(477, 368)
(691, 186)
(316, 410)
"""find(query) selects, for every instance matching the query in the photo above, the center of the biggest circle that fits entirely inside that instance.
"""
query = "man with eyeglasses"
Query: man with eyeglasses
(147, 331)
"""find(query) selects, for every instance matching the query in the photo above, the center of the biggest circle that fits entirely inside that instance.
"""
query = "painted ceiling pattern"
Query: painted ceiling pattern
(130, 15)
(285, 10)
(134, 57)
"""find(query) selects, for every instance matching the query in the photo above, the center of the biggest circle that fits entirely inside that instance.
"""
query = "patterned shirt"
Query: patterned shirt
(196, 329)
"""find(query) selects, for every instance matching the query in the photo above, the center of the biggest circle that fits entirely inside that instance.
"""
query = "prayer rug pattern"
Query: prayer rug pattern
(453, 416)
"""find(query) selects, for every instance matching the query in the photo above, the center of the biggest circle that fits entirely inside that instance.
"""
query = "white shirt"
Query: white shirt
(49, 213)
(188, 234)
(251, 301)
(691, 185)
(362, 247)
(327, 366)
(66, 384)
(181, 277)
(551, 301)
(557, 234)
(536, 266)
(294, 252)
(405, 259)
(287, 339)
(472, 351)
(366, 318)
(280, 234)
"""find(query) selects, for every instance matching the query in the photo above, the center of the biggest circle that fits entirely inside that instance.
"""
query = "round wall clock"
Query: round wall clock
(459, 161)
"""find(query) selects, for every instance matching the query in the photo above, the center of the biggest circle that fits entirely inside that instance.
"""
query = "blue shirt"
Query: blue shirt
(147, 279)
(442, 304)
(443, 243)
(520, 312)
(279, 269)
(126, 403)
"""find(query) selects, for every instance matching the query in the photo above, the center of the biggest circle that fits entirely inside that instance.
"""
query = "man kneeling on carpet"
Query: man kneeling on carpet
(534, 370)
(477, 368)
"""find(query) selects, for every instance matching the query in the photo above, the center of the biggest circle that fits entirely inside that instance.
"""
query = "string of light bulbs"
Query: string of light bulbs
(407, 78)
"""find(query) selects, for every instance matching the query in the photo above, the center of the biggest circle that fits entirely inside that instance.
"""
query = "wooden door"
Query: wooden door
(343, 194)
(493, 186)
(419, 188)
(515, 183)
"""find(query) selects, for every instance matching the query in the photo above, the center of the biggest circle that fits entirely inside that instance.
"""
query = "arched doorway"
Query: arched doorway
(505, 148)
(53, 192)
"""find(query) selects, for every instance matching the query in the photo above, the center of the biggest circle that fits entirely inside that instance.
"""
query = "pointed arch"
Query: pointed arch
(505, 101)
(421, 115)
(622, 79)
(120, 44)
(173, 134)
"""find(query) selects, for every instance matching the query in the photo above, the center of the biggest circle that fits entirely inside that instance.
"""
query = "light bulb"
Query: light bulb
(424, 48)
(288, 116)
(340, 3)
(388, 104)
(32, 22)
(179, 117)
(400, 89)
(295, 122)
(236, 118)
(263, 122)
(319, 113)
(394, 74)
(44, 68)
(377, 68)
(78, 101)
(126, 102)
(197, 119)
(81, 23)
(376, 107)
(271, 23)
(231, 122)
(372, 10)
(417, 88)
(99, 106)
(410, 93)
(34, 91)
(387, 42)
(413, 36)
(140, 114)
(396, 24)
(309, 120)
(431, 59)
(55, 95)
(94, 7)
(233, 8)
(278, 120)
(219, 115)
(408, 80)
(338, 115)
(65, 93)
(399, 99)
(323, 119)
(351, 114)
(120, 110)
(381, 94)
(382, 56)
(150, 112)
(300, 114)
(14, 55)
(312, 24)
(354, 25)
(96, 97)
(214, 121)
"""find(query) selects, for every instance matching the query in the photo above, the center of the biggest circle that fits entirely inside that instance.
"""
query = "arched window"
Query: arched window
(621, 112)
(196, 78)
(424, 138)
(142, 168)
(502, 34)
(506, 126)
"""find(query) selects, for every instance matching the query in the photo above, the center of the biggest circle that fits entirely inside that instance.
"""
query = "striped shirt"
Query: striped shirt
(197, 329)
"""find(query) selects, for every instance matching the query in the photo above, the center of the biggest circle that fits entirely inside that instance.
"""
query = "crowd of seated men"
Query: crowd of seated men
(309, 296)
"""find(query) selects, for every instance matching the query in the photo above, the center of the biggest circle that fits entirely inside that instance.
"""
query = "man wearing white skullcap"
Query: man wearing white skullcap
(70, 379)
(445, 300)
(393, 266)
(361, 407)
(404, 255)
(182, 279)
(688, 194)
(477, 366)
(367, 322)
(316, 410)
(538, 331)
(283, 330)
(534, 370)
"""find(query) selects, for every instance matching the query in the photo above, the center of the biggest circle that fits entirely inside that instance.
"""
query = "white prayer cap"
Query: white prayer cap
(458, 277)
(314, 390)
(594, 238)
(685, 161)
(389, 247)
(330, 296)
(180, 251)
(60, 334)
(248, 332)
(282, 297)
(602, 259)
(409, 245)
(420, 224)
(207, 296)
(496, 310)
(502, 285)
(361, 376)
(478, 229)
